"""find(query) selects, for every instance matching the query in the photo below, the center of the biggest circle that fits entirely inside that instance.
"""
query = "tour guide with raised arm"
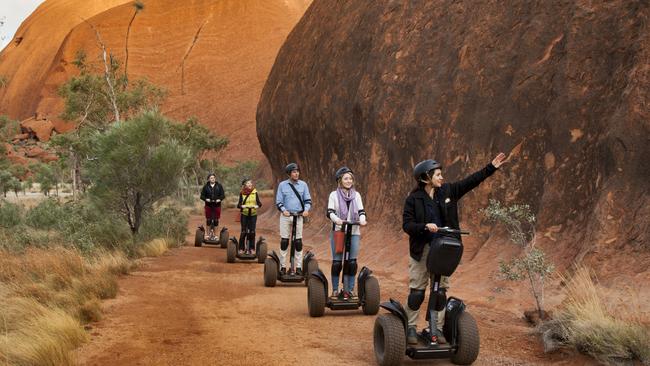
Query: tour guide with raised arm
(292, 197)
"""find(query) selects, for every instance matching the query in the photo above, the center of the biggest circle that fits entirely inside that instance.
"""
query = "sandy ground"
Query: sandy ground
(190, 307)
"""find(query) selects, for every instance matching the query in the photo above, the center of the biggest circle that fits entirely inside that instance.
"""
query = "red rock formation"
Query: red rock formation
(39, 128)
(212, 57)
(381, 85)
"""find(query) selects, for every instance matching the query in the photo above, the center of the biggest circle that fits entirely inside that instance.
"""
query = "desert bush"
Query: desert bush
(586, 323)
(45, 215)
(11, 214)
(166, 222)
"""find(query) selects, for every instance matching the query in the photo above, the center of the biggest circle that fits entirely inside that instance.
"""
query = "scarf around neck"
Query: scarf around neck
(343, 198)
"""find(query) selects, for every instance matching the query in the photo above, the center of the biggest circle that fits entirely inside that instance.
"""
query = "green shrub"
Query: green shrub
(45, 215)
(168, 222)
(10, 214)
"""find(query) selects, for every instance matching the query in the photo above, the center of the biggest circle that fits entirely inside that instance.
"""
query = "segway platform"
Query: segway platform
(233, 252)
(272, 272)
(199, 237)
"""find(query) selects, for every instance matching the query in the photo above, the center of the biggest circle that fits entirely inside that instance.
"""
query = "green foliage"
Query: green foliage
(532, 264)
(88, 96)
(168, 222)
(5, 182)
(8, 128)
(44, 174)
(231, 176)
(138, 163)
(46, 215)
(11, 215)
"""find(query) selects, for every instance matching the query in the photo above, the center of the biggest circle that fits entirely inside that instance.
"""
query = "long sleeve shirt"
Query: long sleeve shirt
(287, 200)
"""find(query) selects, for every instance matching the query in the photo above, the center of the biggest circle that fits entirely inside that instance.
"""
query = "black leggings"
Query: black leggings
(247, 227)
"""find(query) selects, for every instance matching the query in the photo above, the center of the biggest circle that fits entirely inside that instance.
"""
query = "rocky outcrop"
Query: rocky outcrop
(561, 86)
(212, 57)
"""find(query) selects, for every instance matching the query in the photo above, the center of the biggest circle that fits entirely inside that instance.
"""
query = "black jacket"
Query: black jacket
(446, 197)
(213, 194)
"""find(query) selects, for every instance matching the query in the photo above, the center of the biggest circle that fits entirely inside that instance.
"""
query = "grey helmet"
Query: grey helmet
(423, 168)
(342, 170)
(291, 167)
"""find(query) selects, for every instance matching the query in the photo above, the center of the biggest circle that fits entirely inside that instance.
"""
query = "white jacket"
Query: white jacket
(333, 209)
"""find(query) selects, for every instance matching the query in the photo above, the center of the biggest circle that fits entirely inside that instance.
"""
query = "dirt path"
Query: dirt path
(190, 307)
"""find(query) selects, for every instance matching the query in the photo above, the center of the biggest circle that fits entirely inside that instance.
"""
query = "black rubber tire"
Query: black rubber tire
(224, 239)
(389, 340)
(468, 340)
(316, 298)
(371, 305)
(262, 252)
(312, 266)
(231, 252)
(198, 237)
(270, 272)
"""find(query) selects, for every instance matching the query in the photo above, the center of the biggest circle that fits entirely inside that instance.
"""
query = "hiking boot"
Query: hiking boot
(283, 271)
(412, 336)
(298, 271)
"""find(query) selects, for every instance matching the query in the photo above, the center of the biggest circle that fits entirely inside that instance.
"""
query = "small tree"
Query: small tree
(519, 221)
(5, 182)
(15, 185)
(137, 164)
(44, 175)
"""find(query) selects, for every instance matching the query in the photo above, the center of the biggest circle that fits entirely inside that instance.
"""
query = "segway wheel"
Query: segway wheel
(231, 252)
(316, 298)
(312, 266)
(468, 340)
(223, 238)
(261, 252)
(389, 340)
(270, 272)
(198, 238)
(372, 296)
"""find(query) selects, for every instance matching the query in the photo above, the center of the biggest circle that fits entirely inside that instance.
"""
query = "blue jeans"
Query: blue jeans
(348, 280)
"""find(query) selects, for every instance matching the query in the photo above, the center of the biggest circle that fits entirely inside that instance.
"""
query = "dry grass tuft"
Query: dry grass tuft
(154, 248)
(588, 325)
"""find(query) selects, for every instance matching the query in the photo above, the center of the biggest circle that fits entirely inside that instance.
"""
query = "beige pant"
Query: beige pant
(419, 280)
(285, 233)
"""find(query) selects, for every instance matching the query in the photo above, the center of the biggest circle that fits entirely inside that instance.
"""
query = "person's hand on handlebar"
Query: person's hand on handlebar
(305, 213)
(217, 201)
(363, 222)
(432, 227)
(286, 213)
(207, 200)
(338, 222)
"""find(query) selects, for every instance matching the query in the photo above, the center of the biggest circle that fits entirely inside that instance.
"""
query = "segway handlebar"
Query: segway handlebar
(297, 214)
(351, 223)
(447, 230)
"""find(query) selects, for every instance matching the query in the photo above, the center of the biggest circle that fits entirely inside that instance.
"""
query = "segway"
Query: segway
(460, 328)
(233, 253)
(200, 239)
(367, 285)
(272, 272)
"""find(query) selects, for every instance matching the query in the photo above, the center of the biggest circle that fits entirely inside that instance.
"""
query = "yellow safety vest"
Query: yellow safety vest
(252, 201)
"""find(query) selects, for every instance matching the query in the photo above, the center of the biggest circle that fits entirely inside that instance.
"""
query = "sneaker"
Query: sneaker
(441, 337)
(283, 271)
(346, 295)
(335, 293)
(290, 272)
(340, 295)
(412, 336)
(298, 271)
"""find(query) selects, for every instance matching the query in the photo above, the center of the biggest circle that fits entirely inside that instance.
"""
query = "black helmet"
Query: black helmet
(291, 167)
(424, 167)
(342, 170)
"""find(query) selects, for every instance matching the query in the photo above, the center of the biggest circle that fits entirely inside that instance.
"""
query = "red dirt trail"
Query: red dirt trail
(190, 307)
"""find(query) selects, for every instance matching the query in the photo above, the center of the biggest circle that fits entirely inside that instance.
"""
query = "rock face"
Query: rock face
(562, 86)
(211, 56)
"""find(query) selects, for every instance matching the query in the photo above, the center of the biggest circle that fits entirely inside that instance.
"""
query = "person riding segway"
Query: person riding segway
(212, 194)
(430, 206)
(345, 210)
(246, 248)
(294, 202)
